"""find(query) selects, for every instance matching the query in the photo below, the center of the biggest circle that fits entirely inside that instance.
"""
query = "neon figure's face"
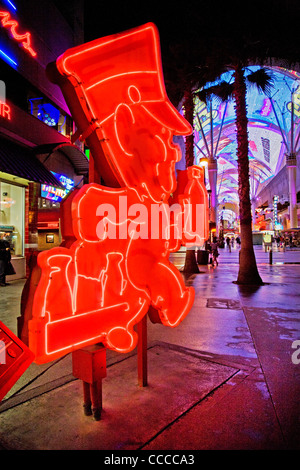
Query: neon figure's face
(119, 87)
(144, 150)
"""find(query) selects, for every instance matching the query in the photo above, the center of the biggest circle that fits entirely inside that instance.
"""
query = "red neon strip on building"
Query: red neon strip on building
(23, 39)
(4, 110)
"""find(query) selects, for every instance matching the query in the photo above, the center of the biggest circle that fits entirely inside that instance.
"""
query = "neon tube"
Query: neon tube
(8, 59)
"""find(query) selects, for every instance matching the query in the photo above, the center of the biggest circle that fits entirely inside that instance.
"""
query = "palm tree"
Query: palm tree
(235, 41)
(248, 272)
(190, 265)
(182, 79)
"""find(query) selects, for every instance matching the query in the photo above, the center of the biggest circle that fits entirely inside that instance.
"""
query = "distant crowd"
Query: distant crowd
(212, 247)
(284, 241)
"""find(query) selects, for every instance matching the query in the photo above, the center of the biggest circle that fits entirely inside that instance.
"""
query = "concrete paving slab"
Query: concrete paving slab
(238, 416)
(242, 330)
(132, 416)
(282, 375)
(38, 374)
(10, 303)
(276, 294)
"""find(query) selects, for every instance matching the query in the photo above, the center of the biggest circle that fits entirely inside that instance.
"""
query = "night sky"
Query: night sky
(273, 22)
(113, 16)
(207, 17)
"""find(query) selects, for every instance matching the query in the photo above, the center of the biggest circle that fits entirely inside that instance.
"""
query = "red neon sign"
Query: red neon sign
(99, 287)
(12, 25)
(4, 110)
(196, 211)
(127, 89)
(15, 358)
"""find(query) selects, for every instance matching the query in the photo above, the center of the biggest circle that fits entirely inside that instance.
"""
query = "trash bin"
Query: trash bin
(202, 256)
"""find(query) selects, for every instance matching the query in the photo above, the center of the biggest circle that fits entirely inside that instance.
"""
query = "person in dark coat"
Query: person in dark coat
(5, 257)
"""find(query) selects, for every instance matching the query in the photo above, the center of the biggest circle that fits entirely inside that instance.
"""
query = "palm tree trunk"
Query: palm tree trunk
(248, 273)
(189, 116)
(190, 265)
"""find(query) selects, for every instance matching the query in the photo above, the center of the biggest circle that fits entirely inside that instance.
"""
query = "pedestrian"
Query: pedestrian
(228, 244)
(215, 253)
(209, 251)
(238, 241)
(5, 257)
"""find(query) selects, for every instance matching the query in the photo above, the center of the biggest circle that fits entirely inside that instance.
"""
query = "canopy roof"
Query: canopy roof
(270, 132)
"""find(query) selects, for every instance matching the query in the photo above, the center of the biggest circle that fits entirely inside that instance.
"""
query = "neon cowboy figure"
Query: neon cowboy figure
(116, 270)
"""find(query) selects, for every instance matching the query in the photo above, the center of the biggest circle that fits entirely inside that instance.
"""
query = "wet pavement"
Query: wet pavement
(225, 378)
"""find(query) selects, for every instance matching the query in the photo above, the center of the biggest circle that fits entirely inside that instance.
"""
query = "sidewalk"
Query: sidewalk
(223, 379)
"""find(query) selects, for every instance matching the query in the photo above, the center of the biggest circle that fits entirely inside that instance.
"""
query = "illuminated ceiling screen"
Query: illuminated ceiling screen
(269, 119)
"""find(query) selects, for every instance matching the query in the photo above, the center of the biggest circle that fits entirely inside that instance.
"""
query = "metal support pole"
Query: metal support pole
(280, 128)
(142, 352)
(203, 136)
(96, 398)
(87, 403)
(212, 175)
(291, 163)
(89, 365)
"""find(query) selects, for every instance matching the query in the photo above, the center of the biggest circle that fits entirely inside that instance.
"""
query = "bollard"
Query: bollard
(271, 256)
(142, 352)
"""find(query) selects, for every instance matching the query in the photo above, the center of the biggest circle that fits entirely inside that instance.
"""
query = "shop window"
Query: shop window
(12, 216)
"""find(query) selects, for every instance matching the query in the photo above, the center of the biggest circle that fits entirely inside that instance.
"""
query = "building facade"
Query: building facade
(39, 163)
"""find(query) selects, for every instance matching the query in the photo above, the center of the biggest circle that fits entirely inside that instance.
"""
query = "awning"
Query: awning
(20, 161)
(77, 158)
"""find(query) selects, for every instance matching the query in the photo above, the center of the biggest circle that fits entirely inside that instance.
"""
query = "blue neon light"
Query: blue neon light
(57, 194)
(8, 59)
(68, 183)
(53, 194)
(11, 4)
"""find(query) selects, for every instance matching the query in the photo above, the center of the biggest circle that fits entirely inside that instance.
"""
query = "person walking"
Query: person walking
(228, 244)
(5, 257)
(215, 253)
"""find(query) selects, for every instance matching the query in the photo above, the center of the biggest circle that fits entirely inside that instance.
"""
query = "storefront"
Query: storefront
(12, 222)
(35, 127)
(32, 186)
(20, 173)
(49, 235)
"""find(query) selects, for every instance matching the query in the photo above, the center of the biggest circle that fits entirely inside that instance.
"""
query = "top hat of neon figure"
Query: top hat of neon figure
(124, 68)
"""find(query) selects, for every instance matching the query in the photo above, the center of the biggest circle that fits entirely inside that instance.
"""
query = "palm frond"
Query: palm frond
(222, 91)
(262, 79)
